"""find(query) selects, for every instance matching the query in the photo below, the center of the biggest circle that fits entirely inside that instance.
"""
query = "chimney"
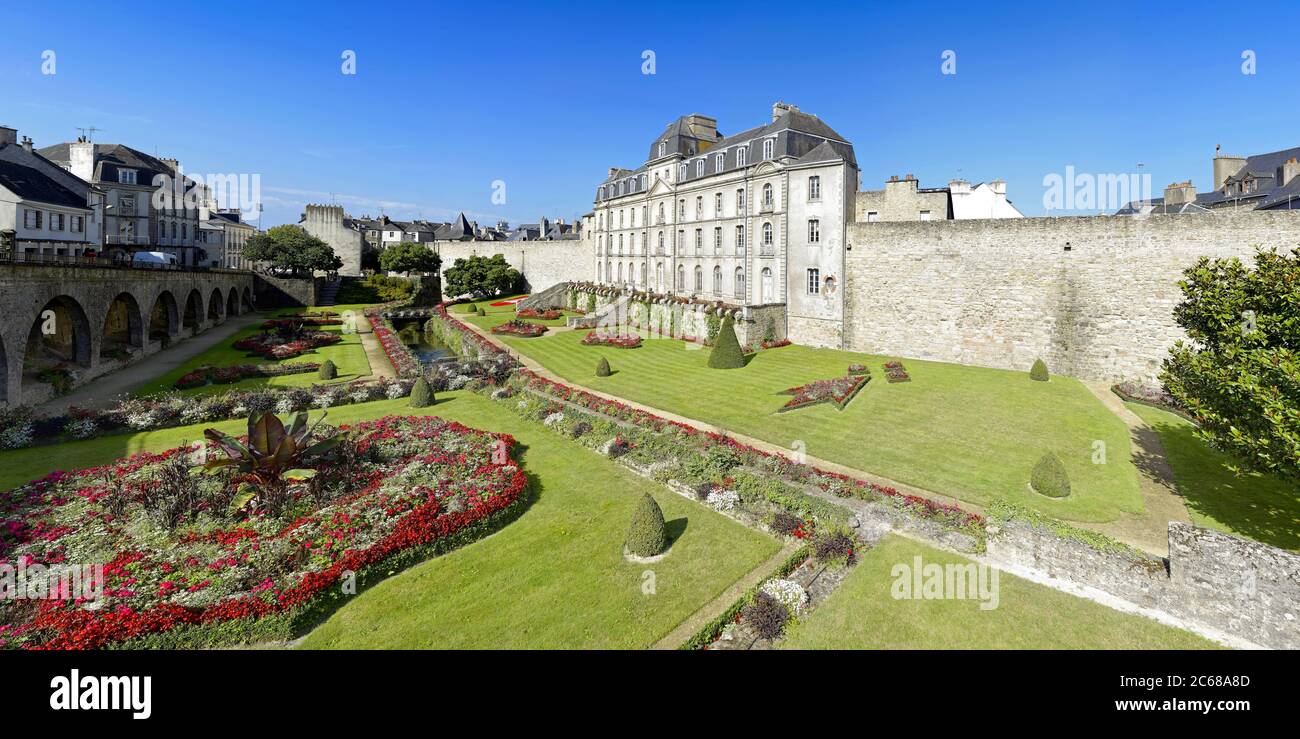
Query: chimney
(1225, 167)
(999, 187)
(959, 187)
(8, 135)
(27, 144)
(1289, 171)
(702, 127)
(1180, 193)
(780, 108)
(612, 170)
(81, 160)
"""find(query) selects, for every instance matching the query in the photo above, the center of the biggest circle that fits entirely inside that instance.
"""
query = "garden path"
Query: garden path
(101, 391)
(380, 367)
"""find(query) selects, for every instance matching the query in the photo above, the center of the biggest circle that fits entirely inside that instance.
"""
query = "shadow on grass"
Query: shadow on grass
(675, 529)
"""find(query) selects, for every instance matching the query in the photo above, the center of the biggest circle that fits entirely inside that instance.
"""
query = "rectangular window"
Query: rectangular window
(717, 205)
(814, 231)
(740, 239)
(78, 224)
(680, 243)
(31, 218)
(717, 162)
(681, 208)
(741, 156)
(699, 168)
(56, 221)
(814, 281)
(126, 176)
(740, 202)
(717, 240)
(699, 241)
(814, 188)
(872, 216)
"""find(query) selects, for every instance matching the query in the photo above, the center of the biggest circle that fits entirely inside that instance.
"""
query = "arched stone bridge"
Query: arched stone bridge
(70, 324)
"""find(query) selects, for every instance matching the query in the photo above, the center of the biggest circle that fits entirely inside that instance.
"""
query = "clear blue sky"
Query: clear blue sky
(449, 97)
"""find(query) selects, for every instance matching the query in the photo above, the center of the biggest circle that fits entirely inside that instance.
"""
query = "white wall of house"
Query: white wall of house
(986, 200)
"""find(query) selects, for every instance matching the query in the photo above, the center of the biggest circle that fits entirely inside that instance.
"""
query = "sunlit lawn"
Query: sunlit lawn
(1261, 507)
(969, 432)
(863, 614)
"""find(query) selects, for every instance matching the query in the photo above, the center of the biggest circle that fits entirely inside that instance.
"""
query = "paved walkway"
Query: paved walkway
(380, 367)
(1148, 531)
(101, 391)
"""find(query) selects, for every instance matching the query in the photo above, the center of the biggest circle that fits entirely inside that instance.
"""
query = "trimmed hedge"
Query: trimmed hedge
(421, 394)
(726, 352)
(602, 368)
(1039, 371)
(647, 536)
(328, 371)
(1049, 477)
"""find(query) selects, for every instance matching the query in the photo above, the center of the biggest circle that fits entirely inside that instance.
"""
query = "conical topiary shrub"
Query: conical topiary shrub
(726, 352)
(421, 394)
(328, 371)
(481, 312)
(602, 368)
(1049, 477)
(647, 537)
(1038, 371)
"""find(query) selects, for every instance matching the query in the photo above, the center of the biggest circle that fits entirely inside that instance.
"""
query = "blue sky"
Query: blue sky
(450, 97)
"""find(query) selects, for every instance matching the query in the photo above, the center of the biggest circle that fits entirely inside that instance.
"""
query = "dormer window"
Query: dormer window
(741, 153)
(126, 176)
(681, 172)
(663, 148)
(699, 168)
(768, 147)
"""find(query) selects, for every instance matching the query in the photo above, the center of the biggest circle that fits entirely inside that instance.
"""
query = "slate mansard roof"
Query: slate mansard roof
(799, 136)
(109, 158)
(1267, 168)
(38, 187)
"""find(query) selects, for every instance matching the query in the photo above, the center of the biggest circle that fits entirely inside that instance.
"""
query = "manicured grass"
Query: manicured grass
(1262, 507)
(863, 614)
(968, 432)
(348, 355)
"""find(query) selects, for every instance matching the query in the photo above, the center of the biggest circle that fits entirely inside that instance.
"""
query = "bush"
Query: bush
(328, 371)
(726, 352)
(835, 545)
(785, 523)
(421, 394)
(766, 615)
(1039, 371)
(1049, 477)
(480, 311)
(602, 368)
(647, 536)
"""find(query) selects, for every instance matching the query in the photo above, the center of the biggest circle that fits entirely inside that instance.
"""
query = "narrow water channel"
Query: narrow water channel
(426, 347)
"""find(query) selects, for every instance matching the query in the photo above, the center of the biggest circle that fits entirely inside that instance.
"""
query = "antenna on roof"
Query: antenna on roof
(88, 134)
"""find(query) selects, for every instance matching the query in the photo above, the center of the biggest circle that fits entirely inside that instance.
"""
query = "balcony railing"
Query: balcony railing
(115, 261)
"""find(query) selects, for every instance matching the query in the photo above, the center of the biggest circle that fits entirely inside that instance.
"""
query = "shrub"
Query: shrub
(1039, 371)
(328, 371)
(647, 536)
(602, 368)
(785, 523)
(480, 311)
(726, 352)
(1049, 477)
(421, 394)
(835, 545)
(766, 615)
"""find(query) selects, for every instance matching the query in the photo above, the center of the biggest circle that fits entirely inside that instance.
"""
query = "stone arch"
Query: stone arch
(123, 326)
(216, 306)
(246, 301)
(232, 303)
(164, 317)
(192, 318)
(59, 334)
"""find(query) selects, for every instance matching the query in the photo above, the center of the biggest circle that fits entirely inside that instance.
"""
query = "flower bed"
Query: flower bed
(398, 353)
(859, 369)
(417, 486)
(504, 303)
(295, 323)
(234, 373)
(520, 328)
(895, 372)
(550, 314)
(1152, 395)
(838, 392)
(775, 344)
(620, 341)
(279, 344)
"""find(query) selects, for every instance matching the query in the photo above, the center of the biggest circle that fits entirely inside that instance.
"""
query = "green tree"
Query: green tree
(410, 257)
(1039, 371)
(482, 277)
(1239, 375)
(647, 536)
(1049, 477)
(291, 250)
(726, 352)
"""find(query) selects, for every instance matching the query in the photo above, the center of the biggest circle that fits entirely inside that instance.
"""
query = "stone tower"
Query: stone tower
(328, 223)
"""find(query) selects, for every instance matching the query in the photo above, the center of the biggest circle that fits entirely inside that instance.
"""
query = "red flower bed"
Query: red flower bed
(520, 328)
(399, 355)
(895, 372)
(837, 392)
(503, 303)
(295, 323)
(433, 480)
(621, 341)
(775, 344)
(542, 315)
(234, 373)
(282, 345)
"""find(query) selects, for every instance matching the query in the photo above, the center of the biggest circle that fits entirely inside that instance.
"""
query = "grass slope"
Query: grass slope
(862, 614)
(1262, 507)
(969, 432)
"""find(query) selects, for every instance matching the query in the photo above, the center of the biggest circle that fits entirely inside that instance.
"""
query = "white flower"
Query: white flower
(83, 428)
(17, 437)
(724, 500)
(395, 391)
(360, 395)
(553, 419)
(140, 421)
(284, 405)
(788, 592)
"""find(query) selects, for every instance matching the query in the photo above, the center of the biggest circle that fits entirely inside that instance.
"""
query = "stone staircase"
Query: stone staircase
(551, 297)
(329, 293)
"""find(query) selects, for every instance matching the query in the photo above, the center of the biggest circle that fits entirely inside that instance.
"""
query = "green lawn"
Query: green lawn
(1260, 507)
(968, 432)
(349, 356)
(555, 578)
(863, 614)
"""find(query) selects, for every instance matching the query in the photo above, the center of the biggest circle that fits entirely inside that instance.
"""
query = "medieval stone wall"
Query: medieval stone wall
(542, 263)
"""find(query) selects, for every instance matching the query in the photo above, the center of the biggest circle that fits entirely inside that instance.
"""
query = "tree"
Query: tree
(1039, 371)
(409, 257)
(291, 250)
(1049, 477)
(726, 352)
(482, 277)
(647, 536)
(1239, 375)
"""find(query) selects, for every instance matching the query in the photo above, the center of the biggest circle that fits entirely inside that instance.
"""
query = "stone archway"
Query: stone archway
(215, 306)
(58, 340)
(164, 318)
(123, 327)
(232, 303)
(192, 318)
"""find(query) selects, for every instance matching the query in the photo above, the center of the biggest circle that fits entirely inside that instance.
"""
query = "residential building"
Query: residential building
(1268, 181)
(81, 233)
(903, 199)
